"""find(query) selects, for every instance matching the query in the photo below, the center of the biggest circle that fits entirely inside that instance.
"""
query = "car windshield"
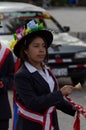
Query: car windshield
(10, 21)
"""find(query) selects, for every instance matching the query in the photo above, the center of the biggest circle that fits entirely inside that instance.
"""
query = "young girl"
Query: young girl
(37, 93)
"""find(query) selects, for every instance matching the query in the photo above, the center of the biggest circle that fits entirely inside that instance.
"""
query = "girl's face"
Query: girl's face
(36, 51)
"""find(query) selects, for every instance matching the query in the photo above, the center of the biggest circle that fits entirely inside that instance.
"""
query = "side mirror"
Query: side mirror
(66, 28)
(0, 25)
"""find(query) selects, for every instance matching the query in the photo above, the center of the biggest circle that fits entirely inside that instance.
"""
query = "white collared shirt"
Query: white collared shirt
(45, 74)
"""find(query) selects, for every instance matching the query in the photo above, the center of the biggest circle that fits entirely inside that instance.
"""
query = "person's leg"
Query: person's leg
(4, 124)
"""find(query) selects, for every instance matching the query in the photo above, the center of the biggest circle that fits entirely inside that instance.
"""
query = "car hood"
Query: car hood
(67, 39)
(65, 43)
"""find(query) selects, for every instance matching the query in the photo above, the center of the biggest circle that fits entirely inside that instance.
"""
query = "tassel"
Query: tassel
(76, 125)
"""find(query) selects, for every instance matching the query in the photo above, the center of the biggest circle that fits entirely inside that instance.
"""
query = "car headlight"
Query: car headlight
(80, 55)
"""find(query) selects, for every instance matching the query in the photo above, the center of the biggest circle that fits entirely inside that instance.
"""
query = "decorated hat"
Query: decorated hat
(22, 34)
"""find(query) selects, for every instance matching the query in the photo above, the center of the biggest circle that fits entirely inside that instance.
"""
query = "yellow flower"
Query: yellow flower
(13, 43)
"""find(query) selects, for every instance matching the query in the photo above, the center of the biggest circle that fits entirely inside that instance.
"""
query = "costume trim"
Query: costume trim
(44, 119)
(3, 54)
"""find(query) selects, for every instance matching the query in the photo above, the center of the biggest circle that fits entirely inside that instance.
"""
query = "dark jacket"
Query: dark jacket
(7, 77)
(33, 92)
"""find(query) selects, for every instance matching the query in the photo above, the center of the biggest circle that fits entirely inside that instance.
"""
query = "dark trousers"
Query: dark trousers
(4, 124)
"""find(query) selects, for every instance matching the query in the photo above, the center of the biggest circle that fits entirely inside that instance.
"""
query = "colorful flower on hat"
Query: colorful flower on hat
(22, 31)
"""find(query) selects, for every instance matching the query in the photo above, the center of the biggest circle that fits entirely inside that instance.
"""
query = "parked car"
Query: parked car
(67, 54)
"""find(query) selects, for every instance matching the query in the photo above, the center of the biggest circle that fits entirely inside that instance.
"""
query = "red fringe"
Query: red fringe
(76, 125)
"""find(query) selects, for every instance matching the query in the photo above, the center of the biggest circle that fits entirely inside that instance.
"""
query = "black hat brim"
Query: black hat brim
(43, 33)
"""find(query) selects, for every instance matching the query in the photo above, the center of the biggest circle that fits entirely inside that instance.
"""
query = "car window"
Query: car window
(10, 21)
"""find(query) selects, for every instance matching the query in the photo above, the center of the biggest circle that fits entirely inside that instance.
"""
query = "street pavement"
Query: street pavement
(76, 19)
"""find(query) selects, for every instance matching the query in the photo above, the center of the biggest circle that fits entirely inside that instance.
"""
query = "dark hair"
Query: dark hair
(23, 56)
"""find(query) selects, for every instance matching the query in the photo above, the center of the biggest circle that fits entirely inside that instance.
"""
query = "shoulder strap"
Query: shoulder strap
(3, 54)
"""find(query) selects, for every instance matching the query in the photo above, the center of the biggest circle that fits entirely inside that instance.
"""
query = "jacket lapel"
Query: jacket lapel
(40, 84)
(40, 80)
(56, 87)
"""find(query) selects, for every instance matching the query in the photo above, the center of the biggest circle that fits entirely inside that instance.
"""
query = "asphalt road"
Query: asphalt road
(76, 19)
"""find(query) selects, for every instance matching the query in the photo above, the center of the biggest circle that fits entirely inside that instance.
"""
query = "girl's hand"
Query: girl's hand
(67, 89)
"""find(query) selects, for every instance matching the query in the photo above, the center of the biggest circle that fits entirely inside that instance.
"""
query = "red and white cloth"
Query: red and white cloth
(4, 51)
(44, 119)
(76, 125)
(80, 110)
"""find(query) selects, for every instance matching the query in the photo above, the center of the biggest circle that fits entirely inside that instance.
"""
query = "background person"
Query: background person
(46, 3)
(72, 2)
(37, 92)
(15, 107)
(6, 83)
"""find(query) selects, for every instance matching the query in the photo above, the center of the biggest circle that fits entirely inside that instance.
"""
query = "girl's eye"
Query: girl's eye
(39, 46)
(44, 46)
(36, 46)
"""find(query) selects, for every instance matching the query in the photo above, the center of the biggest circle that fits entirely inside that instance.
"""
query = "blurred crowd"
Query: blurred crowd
(48, 3)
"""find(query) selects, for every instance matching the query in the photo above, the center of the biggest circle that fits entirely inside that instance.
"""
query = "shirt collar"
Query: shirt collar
(31, 68)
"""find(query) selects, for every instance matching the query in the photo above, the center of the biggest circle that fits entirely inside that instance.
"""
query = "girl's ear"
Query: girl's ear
(25, 51)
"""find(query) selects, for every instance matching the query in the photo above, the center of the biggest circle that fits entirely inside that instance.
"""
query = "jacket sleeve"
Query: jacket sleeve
(8, 78)
(66, 107)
